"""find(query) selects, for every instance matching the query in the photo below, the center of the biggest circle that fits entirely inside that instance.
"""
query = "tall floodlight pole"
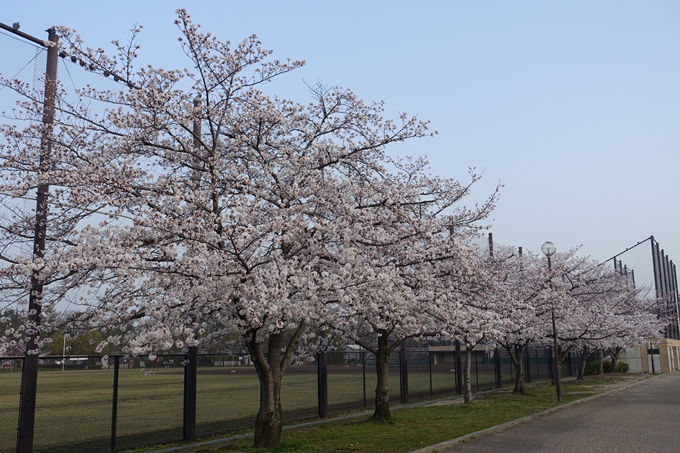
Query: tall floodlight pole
(549, 249)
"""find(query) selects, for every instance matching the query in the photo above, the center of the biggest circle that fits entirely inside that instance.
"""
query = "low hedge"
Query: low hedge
(591, 367)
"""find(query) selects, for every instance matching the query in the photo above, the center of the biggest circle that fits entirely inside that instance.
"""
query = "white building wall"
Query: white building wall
(633, 358)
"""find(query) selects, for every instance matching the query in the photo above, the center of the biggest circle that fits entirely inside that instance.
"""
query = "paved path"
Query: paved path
(643, 418)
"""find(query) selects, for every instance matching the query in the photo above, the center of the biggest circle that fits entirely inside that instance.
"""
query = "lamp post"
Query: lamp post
(63, 352)
(549, 249)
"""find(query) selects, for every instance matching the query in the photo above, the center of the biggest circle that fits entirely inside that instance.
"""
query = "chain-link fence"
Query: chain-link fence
(10, 390)
(95, 404)
(149, 400)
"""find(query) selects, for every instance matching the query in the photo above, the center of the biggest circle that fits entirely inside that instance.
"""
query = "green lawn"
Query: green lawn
(413, 428)
(74, 407)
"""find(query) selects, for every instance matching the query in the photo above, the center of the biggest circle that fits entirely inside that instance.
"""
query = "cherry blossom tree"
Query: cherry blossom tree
(225, 207)
(465, 304)
(611, 314)
(595, 307)
(404, 251)
(520, 293)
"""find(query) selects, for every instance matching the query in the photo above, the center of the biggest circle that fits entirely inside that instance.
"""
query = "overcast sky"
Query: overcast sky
(573, 106)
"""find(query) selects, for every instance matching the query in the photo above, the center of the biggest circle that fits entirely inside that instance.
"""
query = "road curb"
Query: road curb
(438, 448)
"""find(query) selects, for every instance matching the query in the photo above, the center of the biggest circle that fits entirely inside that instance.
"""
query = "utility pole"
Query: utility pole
(29, 375)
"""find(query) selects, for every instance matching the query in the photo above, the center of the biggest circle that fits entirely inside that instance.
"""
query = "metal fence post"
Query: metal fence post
(459, 370)
(403, 373)
(363, 371)
(190, 372)
(497, 367)
(569, 365)
(429, 362)
(21, 391)
(527, 361)
(114, 401)
(322, 384)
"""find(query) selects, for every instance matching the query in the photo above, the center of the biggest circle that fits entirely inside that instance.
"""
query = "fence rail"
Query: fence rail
(90, 404)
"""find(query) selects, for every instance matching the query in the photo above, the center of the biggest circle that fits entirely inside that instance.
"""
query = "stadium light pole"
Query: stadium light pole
(549, 249)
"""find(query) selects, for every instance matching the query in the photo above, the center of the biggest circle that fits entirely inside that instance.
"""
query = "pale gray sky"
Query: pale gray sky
(573, 106)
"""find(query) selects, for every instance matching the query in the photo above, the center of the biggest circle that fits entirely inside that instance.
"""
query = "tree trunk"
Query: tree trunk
(269, 420)
(270, 369)
(600, 362)
(467, 384)
(552, 366)
(520, 382)
(582, 364)
(560, 355)
(382, 396)
(614, 353)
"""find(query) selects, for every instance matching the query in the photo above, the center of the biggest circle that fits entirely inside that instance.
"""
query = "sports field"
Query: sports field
(74, 407)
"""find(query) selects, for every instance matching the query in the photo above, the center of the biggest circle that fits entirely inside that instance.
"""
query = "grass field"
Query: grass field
(74, 407)
(418, 426)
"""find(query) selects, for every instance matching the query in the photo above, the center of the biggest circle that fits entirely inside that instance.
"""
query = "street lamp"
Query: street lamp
(63, 352)
(549, 249)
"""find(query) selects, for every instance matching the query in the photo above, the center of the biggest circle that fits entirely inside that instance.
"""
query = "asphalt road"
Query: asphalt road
(643, 418)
